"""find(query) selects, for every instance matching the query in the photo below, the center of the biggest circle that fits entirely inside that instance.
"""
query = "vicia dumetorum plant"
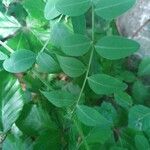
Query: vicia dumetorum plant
(67, 78)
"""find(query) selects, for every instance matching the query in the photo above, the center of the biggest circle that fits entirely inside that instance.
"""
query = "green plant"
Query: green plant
(79, 90)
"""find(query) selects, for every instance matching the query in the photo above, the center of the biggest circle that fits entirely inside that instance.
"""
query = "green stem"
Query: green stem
(89, 64)
(6, 47)
(81, 134)
(45, 45)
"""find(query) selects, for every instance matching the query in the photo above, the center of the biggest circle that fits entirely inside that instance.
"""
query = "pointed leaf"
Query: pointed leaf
(115, 47)
(71, 66)
(60, 98)
(73, 7)
(76, 45)
(104, 84)
(19, 61)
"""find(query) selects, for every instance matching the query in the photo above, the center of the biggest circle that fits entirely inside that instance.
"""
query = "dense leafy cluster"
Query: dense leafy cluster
(67, 78)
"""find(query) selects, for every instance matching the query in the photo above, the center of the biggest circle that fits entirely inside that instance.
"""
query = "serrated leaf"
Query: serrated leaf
(141, 142)
(50, 11)
(90, 117)
(60, 98)
(8, 25)
(19, 61)
(46, 63)
(76, 45)
(112, 8)
(105, 84)
(139, 118)
(11, 99)
(123, 99)
(144, 67)
(73, 7)
(71, 66)
(3, 56)
(116, 47)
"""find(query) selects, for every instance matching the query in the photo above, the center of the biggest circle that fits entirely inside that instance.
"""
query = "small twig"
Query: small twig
(45, 45)
(140, 28)
(60, 18)
(6, 46)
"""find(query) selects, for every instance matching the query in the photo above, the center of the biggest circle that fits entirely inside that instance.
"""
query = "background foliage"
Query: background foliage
(68, 80)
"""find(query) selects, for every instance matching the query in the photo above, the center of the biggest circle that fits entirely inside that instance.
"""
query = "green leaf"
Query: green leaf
(50, 11)
(108, 111)
(71, 66)
(8, 25)
(73, 7)
(58, 32)
(141, 142)
(46, 63)
(3, 56)
(105, 84)
(76, 45)
(11, 101)
(112, 8)
(99, 135)
(116, 47)
(123, 99)
(79, 24)
(19, 61)
(7, 2)
(14, 142)
(34, 120)
(140, 92)
(60, 98)
(90, 117)
(49, 139)
(35, 8)
(144, 68)
(139, 118)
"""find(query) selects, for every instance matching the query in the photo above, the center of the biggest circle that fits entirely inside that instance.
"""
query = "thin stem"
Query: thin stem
(6, 47)
(45, 45)
(140, 28)
(60, 18)
(90, 61)
(81, 134)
